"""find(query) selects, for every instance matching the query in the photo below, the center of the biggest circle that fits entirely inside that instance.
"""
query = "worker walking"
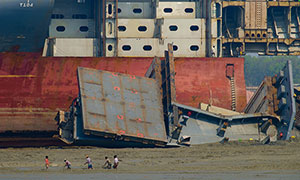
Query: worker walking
(47, 162)
(116, 162)
(67, 164)
(107, 164)
(88, 162)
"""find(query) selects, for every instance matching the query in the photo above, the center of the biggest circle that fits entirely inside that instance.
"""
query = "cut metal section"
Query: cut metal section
(119, 104)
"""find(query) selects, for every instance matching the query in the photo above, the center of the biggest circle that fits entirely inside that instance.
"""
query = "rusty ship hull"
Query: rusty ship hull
(34, 88)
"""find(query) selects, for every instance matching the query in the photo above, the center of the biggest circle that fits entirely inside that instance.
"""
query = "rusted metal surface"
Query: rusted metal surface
(255, 15)
(34, 88)
(120, 104)
(275, 97)
(204, 80)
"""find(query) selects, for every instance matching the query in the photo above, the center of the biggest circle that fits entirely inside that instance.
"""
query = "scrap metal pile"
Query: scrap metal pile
(120, 110)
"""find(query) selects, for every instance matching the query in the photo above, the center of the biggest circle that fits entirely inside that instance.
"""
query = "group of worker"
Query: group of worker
(107, 164)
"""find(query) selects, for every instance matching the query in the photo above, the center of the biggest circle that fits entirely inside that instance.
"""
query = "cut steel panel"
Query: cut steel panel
(183, 28)
(176, 10)
(74, 47)
(121, 104)
(135, 28)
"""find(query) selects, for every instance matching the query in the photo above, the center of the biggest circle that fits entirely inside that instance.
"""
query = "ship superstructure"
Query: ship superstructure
(142, 28)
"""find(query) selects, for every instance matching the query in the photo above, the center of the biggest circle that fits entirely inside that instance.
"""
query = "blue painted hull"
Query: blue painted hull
(24, 24)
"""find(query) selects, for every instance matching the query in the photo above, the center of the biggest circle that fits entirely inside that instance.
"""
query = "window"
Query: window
(173, 28)
(147, 48)
(60, 28)
(189, 10)
(194, 48)
(83, 28)
(122, 28)
(109, 9)
(109, 47)
(194, 28)
(168, 10)
(142, 28)
(175, 48)
(137, 10)
(126, 48)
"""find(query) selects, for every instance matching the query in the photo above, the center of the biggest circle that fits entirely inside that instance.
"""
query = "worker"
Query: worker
(67, 164)
(47, 162)
(107, 164)
(88, 162)
(116, 162)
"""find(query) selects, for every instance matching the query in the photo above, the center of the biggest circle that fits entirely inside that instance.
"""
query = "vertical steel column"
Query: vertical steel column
(103, 28)
(208, 28)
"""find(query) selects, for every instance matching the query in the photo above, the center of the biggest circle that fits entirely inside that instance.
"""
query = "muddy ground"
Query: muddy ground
(235, 160)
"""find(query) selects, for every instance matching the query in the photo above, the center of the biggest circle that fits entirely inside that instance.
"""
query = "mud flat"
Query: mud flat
(235, 160)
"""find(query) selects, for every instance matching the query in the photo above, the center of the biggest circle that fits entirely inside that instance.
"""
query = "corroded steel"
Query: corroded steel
(37, 87)
(120, 104)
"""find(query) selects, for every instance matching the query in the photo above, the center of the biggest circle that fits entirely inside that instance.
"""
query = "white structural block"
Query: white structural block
(184, 47)
(134, 10)
(150, 47)
(182, 28)
(137, 47)
(176, 10)
(72, 28)
(136, 28)
(74, 47)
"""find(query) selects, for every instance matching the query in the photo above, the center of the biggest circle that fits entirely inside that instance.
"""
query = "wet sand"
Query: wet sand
(235, 160)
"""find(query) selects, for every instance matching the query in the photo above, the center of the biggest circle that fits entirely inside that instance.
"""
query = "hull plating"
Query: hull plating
(33, 88)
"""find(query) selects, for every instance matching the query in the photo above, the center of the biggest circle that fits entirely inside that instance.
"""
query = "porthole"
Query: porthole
(194, 28)
(168, 10)
(173, 28)
(126, 48)
(109, 47)
(60, 28)
(137, 10)
(194, 48)
(142, 28)
(175, 48)
(119, 10)
(147, 48)
(122, 28)
(189, 10)
(83, 28)
(109, 9)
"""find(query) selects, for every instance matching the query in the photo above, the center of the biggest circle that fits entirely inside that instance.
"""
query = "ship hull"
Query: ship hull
(34, 88)
(24, 24)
